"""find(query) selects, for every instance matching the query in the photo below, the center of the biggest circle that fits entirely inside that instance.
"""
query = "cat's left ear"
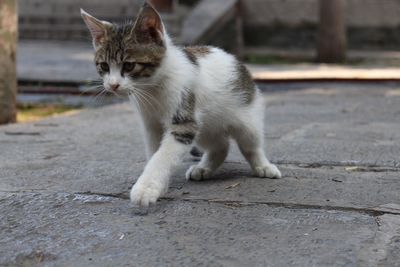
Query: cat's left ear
(148, 26)
(97, 28)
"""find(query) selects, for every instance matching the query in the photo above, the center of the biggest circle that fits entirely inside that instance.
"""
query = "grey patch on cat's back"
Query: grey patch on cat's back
(193, 53)
(184, 126)
(244, 84)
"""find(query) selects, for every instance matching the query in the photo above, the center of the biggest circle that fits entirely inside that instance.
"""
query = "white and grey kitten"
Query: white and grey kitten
(186, 96)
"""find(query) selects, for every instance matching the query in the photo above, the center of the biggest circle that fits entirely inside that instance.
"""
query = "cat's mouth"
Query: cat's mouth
(120, 92)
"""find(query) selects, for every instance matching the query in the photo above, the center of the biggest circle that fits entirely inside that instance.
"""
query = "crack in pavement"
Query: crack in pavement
(316, 165)
(388, 228)
(112, 195)
(369, 211)
(377, 211)
(387, 221)
(361, 167)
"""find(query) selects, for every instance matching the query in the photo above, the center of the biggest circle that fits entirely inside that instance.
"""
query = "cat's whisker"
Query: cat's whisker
(146, 84)
(138, 103)
(92, 88)
(99, 98)
(150, 99)
(114, 93)
(141, 99)
(95, 81)
(149, 95)
(132, 96)
(96, 98)
(85, 89)
(100, 92)
(144, 98)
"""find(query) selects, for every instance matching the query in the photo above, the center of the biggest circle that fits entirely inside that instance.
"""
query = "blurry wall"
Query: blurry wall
(280, 23)
(360, 13)
(285, 23)
(60, 19)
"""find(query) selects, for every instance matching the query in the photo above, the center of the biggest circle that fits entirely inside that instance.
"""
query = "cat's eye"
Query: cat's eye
(128, 66)
(104, 66)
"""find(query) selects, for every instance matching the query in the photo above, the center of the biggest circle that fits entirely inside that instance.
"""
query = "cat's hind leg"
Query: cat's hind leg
(249, 137)
(215, 152)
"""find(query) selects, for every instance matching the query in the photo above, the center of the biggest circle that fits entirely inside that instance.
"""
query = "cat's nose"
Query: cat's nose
(114, 86)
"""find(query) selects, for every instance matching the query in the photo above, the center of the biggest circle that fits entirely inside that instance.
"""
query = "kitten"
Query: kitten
(186, 96)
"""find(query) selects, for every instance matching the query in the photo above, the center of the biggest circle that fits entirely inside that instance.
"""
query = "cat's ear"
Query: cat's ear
(148, 27)
(97, 28)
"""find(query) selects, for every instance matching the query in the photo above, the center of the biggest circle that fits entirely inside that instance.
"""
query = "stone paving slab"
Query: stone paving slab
(71, 153)
(77, 230)
(64, 183)
(324, 187)
(357, 124)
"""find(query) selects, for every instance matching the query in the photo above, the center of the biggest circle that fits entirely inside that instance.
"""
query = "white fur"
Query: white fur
(219, 114)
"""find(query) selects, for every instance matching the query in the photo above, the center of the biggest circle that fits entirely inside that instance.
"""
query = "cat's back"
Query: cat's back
(210, 60)
(220, 76)
(199, 54)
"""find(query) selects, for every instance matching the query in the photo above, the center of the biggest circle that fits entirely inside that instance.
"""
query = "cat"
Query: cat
(186, 96)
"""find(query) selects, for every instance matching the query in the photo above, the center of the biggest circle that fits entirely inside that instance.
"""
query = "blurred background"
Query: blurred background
(280, 40)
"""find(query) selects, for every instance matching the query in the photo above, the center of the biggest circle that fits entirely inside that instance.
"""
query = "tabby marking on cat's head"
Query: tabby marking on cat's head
(126, 55)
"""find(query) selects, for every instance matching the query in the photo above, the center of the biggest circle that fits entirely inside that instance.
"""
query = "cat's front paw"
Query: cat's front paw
(145, 193)
(197, 173)
(269, 171)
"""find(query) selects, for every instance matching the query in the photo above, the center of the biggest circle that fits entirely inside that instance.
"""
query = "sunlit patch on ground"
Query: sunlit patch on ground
(30, 112)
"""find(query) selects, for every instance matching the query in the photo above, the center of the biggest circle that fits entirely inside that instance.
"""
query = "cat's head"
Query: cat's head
(128, 55)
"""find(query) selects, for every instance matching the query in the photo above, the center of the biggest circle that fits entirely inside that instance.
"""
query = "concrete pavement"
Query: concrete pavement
(64, 186)
(57, 61)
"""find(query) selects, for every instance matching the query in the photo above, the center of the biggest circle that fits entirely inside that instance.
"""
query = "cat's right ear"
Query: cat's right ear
(97, 28)
(148, 27)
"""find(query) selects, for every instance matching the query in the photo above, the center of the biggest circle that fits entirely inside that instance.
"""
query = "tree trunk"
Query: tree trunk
(332, 41)
(8, 45)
